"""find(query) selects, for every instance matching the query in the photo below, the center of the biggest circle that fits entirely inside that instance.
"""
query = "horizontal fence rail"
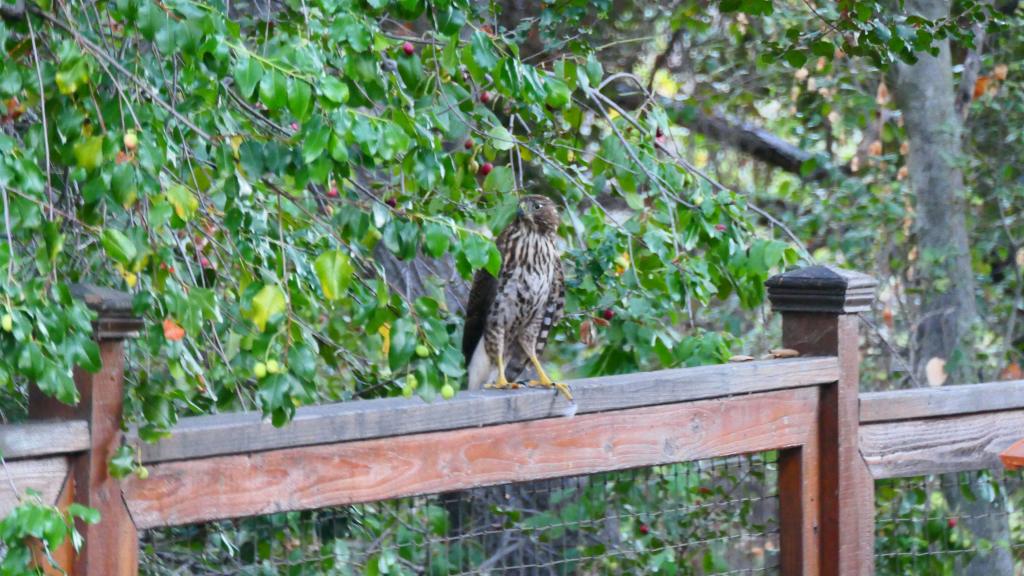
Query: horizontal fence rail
(240, 433)
(35, 439)
(940, 430)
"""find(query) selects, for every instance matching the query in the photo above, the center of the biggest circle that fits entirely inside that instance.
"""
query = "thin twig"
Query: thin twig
(42, 106)
(10, 238)
(10, 479)
(892, 350)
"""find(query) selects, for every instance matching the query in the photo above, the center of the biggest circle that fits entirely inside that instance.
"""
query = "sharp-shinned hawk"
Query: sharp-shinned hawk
(508, 318)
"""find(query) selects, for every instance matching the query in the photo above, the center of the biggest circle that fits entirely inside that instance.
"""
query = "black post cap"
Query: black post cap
(824, 289)
(115, 320)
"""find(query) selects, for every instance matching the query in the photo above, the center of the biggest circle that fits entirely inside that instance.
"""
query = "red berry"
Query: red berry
(163, 265)
(391, 202)
(485, 97)
(333, 192)
(468, 143)
(171, 270)
(644, 529)
(608, 314)
(486, 168)
(204, 262)
(720, 227)
(408, 48)
(295, 126)
(952, 522)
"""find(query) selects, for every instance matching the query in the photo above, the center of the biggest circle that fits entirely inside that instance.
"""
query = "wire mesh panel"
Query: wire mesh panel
(706, 517)
(950, 524)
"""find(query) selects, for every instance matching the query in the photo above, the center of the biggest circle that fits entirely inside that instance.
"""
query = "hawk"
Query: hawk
(508, 318)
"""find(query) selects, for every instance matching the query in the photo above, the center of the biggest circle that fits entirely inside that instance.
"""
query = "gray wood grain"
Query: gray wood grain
(45, 476)
(205, 436)
(939, 445)
(941, 401)
(43, 438)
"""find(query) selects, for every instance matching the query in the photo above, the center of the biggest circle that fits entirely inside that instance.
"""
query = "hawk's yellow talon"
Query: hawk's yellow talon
(563, 388)
(501, 383)
(545, 382)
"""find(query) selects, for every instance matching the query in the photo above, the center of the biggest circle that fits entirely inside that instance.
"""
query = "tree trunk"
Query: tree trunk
(926, 95)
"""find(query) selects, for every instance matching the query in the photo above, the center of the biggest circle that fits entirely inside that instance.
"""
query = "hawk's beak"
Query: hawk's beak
(520, 212)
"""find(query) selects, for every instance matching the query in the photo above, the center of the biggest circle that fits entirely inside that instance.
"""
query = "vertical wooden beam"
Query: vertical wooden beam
(111, 547)
(799, 510)
(819, 308)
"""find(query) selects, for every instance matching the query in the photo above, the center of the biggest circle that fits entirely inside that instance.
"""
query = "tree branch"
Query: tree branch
(745, 137)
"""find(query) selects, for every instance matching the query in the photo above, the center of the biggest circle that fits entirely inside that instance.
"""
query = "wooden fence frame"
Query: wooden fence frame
(832, 441)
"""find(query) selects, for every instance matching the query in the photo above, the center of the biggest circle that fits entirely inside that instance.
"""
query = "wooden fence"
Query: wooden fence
(832, 442)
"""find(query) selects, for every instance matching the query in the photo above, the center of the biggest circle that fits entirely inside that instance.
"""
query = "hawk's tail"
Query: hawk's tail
(480, 367)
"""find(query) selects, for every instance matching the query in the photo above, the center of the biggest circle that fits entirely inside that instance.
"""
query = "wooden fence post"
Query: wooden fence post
(819, 306)
(111, 547)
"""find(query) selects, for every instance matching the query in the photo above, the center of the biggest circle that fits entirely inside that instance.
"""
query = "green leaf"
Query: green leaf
(335, 273)
(72, 75)
(594, 70)
(184, 202)
(123, 186)
(438, 239)
(89, 152)
(10, 82)
(338, 149)
(267, 303)
(823, 48)
(123, 462)
(482, 50)
(450, 20)
(558, 95)
(274, 90)
(248, 73)
(334, 90)
(118, 246)
(501, 138)
(88, 515)
(394, 142)
(300, 97)
(795, 58)
(315, 142)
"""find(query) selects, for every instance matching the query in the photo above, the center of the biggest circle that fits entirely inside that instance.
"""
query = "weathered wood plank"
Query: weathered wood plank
(939, 445)
(183, 492)
(45, 475)
(942, 401)
(238, 433)
(35, 439)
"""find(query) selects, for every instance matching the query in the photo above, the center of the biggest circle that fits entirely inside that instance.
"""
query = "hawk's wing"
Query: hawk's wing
(481, 296)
